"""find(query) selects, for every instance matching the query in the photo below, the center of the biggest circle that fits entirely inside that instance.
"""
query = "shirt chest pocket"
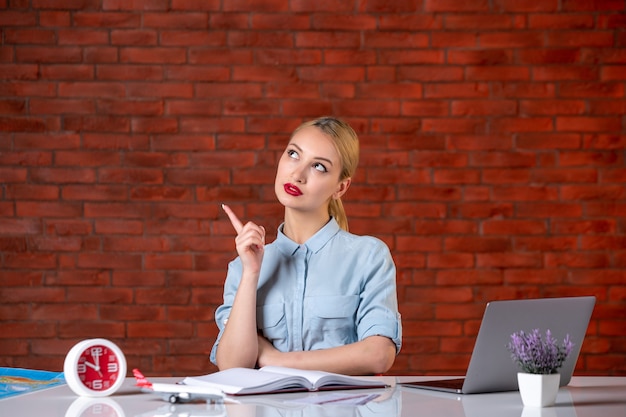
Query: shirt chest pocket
(272, 323)
(332, 319)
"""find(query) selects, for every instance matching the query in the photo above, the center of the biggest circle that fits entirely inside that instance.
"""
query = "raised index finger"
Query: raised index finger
(234, 220)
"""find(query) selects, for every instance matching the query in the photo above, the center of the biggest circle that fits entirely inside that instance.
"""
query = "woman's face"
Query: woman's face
(308, 172)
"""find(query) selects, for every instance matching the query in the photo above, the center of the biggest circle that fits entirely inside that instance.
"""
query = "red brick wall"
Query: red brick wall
(493, 162)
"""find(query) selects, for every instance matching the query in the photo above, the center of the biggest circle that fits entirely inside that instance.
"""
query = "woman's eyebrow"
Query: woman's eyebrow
(320, 158)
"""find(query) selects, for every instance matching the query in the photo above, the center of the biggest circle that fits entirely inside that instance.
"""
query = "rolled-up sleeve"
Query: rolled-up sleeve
(378, 313)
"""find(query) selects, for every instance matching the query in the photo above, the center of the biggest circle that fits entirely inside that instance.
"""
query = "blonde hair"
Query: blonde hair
(346, 142)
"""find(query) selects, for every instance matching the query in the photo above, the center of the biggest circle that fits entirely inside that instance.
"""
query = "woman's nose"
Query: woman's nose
(299, 174)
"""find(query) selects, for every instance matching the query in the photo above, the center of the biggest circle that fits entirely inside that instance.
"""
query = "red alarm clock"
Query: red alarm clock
(95, 368)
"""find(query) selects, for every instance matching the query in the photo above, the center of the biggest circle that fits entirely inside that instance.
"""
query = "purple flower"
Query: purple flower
(536, 355)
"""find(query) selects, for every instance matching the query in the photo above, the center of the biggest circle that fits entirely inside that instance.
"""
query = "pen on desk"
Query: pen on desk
(364, 398)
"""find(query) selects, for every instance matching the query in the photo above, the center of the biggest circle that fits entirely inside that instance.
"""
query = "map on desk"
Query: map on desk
(17, 381)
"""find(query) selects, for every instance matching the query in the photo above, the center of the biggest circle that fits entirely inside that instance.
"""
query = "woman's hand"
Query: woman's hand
(250, 241)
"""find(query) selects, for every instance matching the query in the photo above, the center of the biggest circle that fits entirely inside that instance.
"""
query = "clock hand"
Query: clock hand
(95, 367)
(95, 353)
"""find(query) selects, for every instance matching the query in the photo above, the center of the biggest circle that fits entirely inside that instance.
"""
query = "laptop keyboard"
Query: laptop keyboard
(452, 384)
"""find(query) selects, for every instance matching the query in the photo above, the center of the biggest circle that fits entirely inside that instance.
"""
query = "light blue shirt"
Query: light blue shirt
(335, 289)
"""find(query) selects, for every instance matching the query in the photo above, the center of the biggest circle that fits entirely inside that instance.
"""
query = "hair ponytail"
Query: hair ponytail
(336, 210)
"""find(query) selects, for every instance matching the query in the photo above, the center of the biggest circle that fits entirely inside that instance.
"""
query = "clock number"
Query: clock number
(112, 367)
(96, 384)
(96, 351)
(81, 368)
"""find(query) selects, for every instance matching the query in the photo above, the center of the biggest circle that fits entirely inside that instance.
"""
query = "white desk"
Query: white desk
(584, 396)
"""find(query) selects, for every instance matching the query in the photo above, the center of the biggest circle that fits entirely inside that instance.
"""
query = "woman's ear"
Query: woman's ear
(342, 187)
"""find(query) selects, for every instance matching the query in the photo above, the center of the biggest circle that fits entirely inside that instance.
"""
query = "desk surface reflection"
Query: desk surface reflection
(584, 396)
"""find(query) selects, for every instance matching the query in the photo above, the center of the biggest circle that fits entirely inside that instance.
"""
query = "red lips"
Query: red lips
(292, 190)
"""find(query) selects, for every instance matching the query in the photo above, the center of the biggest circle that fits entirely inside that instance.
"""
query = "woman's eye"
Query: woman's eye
(292, 154)
(320, 167)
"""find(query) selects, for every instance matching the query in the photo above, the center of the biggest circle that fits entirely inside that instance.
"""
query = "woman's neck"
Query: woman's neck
(300, 226)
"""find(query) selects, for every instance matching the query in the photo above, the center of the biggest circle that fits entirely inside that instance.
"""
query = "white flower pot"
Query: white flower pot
(538, 390)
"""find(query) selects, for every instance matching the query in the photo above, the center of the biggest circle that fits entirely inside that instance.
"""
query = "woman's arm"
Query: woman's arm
(238, 346)
(372, 355)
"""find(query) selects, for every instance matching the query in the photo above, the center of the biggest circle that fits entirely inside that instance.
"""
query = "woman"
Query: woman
(318, 297)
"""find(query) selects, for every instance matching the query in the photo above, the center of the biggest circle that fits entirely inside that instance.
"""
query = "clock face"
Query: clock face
(95, 367)
(98, 367)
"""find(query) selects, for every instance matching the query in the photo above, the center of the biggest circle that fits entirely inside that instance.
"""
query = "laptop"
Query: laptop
(491, 368)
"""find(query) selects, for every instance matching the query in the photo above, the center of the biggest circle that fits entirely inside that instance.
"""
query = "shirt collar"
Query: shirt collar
(315, 242)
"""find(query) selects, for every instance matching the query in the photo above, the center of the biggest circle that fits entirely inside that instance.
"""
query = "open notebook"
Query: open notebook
(274, 379)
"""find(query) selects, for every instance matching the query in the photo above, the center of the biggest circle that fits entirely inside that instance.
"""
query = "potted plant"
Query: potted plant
(539, 360)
